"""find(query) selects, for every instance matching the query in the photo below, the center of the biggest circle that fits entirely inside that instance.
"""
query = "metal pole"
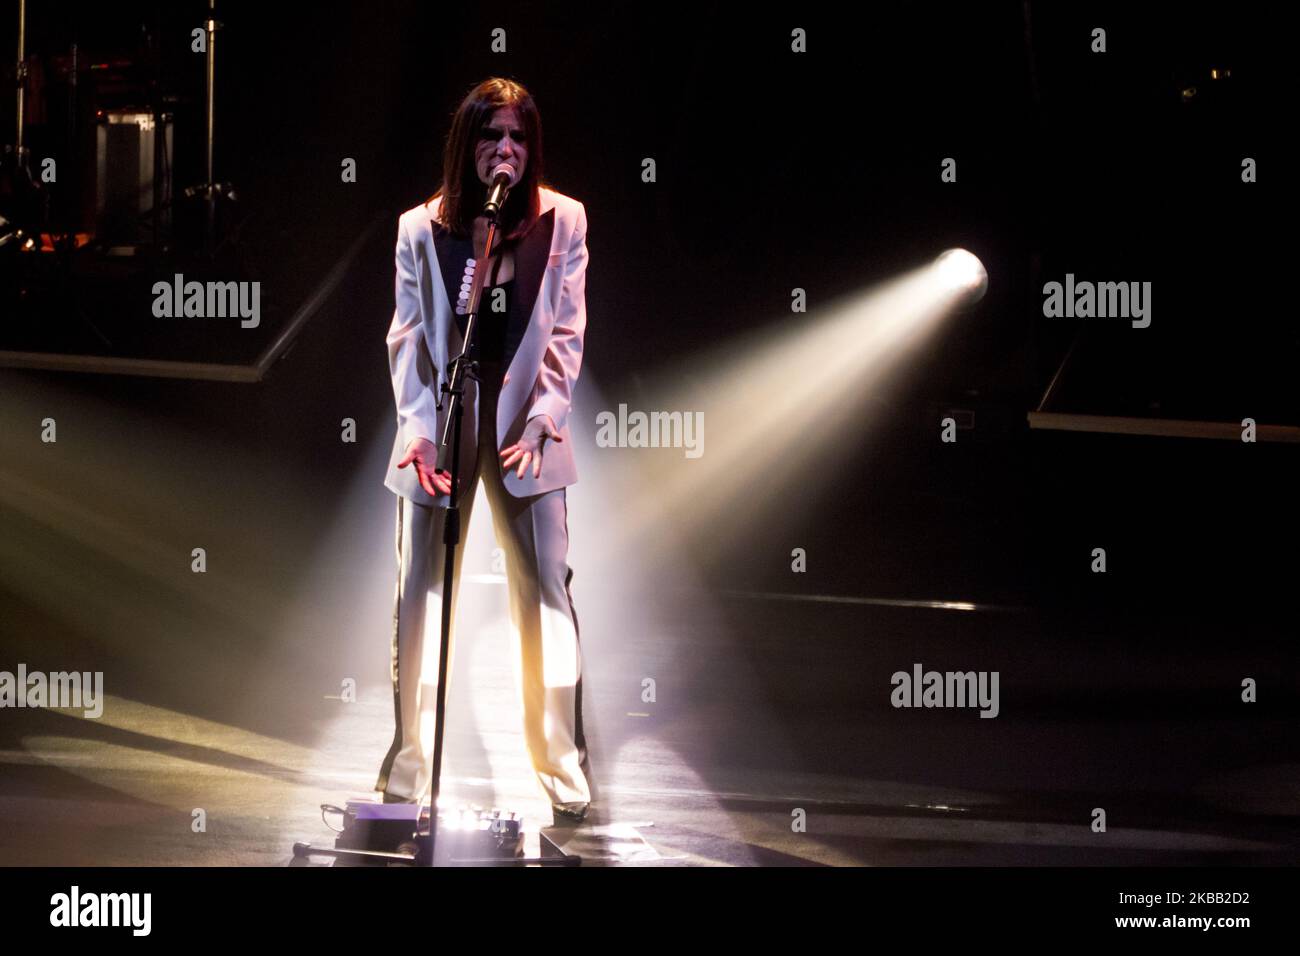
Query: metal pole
(210, 231)
(22, 69)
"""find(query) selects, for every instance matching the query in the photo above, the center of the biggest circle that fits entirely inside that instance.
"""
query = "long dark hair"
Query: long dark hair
(462, 191)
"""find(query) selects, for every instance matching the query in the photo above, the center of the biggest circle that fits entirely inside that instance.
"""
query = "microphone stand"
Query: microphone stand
(454, 388)
(209, 190)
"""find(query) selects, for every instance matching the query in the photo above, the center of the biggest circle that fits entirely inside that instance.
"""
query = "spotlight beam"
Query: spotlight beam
(786, 405)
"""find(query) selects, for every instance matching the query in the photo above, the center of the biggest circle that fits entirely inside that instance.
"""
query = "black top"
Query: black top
(496, 334)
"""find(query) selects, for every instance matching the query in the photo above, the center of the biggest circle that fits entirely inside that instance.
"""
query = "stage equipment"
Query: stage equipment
(396, 834)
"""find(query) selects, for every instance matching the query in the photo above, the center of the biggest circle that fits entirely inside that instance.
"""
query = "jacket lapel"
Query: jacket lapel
(530, 260)
(452, 253)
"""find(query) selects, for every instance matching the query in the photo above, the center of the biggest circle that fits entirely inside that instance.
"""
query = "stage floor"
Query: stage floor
(769, 714)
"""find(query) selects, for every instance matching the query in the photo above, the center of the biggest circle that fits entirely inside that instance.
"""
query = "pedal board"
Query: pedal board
(465, 835)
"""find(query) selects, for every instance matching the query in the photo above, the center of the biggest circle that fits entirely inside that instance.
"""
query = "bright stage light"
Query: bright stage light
(962, 273)
(784, 408)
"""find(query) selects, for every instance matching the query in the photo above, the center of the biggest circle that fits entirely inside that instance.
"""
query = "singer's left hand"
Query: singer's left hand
(529, 446)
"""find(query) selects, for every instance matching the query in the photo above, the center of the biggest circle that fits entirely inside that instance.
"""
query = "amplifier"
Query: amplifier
(124, 178)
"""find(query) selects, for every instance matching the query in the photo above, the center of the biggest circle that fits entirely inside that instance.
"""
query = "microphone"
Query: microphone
(503, 177)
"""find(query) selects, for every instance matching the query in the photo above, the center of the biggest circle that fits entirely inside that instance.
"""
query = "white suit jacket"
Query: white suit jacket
(550, 274)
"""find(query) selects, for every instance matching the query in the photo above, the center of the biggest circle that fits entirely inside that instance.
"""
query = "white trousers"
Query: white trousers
(533, 533)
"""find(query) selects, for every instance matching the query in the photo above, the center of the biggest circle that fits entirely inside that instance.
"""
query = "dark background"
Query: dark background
(822, 171)
(775, 171)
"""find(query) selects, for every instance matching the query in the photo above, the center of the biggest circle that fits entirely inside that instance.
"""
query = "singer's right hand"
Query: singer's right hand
(424, 455)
